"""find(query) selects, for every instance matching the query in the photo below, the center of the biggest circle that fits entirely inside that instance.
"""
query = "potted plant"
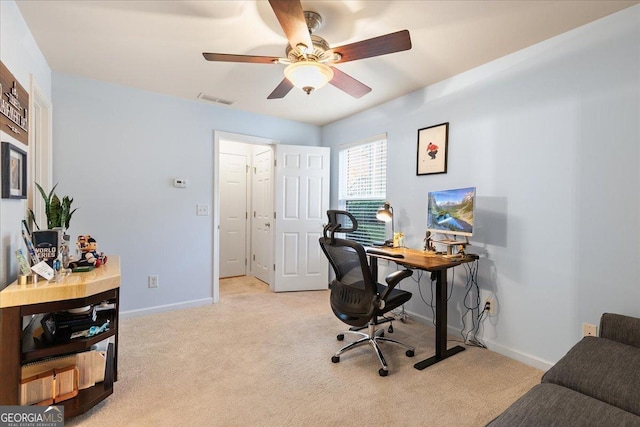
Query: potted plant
(58, 211)
(53, 241)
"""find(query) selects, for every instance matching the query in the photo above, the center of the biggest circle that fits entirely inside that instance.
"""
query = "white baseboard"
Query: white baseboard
(164, 308)
(527, 359)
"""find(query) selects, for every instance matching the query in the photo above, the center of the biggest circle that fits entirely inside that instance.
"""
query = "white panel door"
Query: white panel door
(302, 200)
(262, 218)
(233, 214)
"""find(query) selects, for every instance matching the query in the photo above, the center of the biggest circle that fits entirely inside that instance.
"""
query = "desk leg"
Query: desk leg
(441, 325)
(373, 266)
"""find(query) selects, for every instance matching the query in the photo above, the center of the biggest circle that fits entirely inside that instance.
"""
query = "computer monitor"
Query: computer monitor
(451, 211)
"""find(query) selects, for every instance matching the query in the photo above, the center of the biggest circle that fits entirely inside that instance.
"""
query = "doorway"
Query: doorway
(285, 215)
(243, 184)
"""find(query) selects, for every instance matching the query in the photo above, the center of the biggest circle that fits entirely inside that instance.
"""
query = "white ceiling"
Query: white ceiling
(158, 45)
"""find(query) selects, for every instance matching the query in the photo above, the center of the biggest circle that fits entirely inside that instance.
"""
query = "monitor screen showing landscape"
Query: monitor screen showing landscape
(451, 211)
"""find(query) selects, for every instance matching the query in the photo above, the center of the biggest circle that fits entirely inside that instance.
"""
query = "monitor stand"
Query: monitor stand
(451, 243)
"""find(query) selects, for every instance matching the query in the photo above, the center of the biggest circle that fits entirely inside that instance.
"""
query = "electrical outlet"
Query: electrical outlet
(589, 330)
(492, 305)
(152, 281)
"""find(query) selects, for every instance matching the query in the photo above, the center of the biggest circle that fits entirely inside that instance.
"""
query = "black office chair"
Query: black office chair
(356, 298)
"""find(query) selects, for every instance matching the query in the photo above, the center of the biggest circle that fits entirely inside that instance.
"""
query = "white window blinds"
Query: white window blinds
(362, 183)
(364, 171)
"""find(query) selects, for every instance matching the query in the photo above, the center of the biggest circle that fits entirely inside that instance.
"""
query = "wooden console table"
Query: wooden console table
(19, 346)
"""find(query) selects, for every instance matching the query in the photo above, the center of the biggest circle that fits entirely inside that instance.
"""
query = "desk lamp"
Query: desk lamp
(385, 213)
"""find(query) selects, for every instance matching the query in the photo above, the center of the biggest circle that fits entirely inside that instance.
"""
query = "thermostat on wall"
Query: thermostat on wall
(179, 182)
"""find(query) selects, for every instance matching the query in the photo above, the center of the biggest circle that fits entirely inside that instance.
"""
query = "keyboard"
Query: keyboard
(384, 253)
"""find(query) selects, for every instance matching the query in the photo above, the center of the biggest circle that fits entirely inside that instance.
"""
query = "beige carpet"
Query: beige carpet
(262, 359)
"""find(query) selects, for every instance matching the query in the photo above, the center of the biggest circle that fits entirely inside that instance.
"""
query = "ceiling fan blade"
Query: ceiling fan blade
(224, 57)
(381, 45)
(281, 90)
(348, 84)
(291, 18)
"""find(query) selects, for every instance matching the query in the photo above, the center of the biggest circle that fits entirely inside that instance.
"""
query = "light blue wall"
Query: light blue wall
(117, 151)
(23, 58)
(550, 137)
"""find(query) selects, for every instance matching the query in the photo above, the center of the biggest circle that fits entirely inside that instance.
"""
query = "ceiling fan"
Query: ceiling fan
(309, 58)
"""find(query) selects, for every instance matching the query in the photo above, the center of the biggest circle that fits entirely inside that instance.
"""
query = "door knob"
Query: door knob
(266, 224)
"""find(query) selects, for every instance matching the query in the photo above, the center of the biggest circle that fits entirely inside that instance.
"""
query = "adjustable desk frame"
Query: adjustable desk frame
(438, 264)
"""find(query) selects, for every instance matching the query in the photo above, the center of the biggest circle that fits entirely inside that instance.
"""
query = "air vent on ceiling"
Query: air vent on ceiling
(214, 99)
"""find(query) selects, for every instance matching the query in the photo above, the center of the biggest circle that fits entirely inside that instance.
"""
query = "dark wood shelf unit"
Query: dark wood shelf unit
(85, 400)
(53, 306)
(20, 347)
(90, 397)
(34, 348)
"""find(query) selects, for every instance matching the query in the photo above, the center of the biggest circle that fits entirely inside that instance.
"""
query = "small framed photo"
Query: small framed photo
(433, 142)
(14, 172)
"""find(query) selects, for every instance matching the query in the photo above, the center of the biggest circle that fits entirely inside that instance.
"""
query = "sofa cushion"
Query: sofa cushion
(603, 369)
(552, 405)
(617, 327)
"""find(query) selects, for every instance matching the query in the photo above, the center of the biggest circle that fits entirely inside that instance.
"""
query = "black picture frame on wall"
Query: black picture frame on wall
(433, 147)
(14, 172)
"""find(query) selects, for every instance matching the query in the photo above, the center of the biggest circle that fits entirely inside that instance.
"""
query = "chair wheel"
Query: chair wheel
(340, 337)
(382, 372)
(410, 353)
(390, 329)
(335, 359)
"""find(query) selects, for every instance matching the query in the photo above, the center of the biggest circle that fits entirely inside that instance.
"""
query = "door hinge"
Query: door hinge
(246, 215)
(248, 168)
(275, 162)
(254, 170)
(274, 267)
(254, 257)
(274, 215)
(254, 214)
(245, 262)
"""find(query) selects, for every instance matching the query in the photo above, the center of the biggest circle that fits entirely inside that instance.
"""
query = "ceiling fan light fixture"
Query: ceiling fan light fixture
(308, 75)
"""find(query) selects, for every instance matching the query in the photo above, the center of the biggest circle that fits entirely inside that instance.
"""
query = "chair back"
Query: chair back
(354, 293)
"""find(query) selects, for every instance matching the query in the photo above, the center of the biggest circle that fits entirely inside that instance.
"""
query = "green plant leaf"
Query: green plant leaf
(54, 218)
(32, 218)
(58, 212)
(66, 223)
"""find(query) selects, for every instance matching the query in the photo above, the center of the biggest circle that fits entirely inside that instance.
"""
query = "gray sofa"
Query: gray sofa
(597, 383)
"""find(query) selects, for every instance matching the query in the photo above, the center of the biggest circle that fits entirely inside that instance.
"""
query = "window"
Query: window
(362, 183)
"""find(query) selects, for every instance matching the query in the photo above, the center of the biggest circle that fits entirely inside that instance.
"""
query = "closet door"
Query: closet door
(233, 214)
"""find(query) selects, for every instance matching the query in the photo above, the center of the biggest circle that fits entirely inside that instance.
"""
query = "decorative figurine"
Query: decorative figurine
(428, 245)
(89, 255)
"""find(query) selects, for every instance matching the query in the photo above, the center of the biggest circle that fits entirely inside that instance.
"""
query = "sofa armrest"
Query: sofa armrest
(617, 327)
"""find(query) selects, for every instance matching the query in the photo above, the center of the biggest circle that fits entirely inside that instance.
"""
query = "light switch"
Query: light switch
(202, 210)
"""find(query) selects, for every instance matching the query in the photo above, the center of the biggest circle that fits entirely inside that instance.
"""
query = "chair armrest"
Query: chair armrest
(617, 327)
(393, 279)
(396, 277)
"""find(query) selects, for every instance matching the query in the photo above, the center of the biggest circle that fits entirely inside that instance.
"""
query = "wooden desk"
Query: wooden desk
(438, 264)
